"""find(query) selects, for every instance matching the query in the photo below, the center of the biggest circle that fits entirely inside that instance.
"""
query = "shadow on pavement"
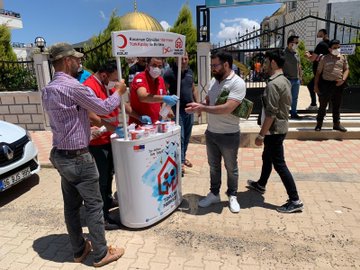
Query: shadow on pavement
(19, 189)
(251, 198)
(190, 206)
(246, 199)
(57, 248)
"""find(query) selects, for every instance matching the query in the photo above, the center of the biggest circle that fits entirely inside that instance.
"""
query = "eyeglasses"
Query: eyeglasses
(215, 65)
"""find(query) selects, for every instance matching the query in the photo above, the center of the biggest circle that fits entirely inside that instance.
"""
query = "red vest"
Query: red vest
(100, 91)
(155, 87)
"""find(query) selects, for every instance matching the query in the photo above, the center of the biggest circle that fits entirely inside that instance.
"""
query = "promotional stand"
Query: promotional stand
(148, 170)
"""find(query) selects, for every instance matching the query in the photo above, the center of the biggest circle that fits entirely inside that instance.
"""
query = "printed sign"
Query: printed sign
(148, 177)
(223, 3)
(348, 49)
(143, 43)
(162, 176)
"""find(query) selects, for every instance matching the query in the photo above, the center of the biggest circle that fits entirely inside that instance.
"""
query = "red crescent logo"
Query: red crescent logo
(124, 40)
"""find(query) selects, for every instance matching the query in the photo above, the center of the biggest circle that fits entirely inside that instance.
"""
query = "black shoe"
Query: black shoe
(318, 127)
(255, 186)
(291, 207)
(339, 128)
(111, 224)
(295, 116)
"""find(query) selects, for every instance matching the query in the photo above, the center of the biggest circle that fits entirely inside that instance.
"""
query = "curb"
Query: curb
(47, 165)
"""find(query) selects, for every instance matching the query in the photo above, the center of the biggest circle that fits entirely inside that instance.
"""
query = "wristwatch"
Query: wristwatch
(260, 137)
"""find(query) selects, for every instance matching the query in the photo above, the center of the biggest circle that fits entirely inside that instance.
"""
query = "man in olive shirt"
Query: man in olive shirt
(274, 126)
(333, 70)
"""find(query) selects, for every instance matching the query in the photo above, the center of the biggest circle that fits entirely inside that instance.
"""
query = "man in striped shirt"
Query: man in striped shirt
(67, 103)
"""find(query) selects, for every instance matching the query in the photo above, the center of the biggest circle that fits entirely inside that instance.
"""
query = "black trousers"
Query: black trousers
(273, 154)
(310, 87)
(329, 92)
(104, 162)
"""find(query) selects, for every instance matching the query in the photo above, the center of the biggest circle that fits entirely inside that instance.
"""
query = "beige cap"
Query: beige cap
(60, 50)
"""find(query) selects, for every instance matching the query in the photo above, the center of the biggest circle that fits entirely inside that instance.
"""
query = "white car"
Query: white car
(18, 155)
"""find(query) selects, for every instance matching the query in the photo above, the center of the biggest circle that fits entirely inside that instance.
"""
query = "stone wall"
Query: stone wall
(22, 108)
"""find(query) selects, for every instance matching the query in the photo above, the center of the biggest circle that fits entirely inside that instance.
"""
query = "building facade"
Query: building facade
(342, 11)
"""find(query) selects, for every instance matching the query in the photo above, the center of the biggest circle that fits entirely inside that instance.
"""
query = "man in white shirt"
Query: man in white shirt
(223, 131)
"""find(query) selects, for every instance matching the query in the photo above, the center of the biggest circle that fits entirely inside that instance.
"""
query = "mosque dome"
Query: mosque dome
(139, 21)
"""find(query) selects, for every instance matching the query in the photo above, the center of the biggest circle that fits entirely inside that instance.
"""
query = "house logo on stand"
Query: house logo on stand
(168, 177)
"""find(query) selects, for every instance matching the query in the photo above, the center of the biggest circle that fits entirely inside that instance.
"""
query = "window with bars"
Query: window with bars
(292, 5)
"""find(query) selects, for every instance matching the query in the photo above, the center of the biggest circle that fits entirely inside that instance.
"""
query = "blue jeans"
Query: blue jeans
(295, 87)
(80, 183)
(226, 146)
(186, 122)
(273, 154)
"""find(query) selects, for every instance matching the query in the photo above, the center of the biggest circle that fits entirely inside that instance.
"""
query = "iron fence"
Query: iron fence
(17, 76)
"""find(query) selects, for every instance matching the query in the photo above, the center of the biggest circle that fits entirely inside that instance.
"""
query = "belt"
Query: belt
(74, 153)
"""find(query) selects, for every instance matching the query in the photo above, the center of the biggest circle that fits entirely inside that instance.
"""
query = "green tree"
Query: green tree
(306, 65)
(6, 51)
(13, 75)
(354, 64)
(184, 26)
(99, 49)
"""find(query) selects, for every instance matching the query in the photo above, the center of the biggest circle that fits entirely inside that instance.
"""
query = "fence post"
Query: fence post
(204, 75)
(42, 70)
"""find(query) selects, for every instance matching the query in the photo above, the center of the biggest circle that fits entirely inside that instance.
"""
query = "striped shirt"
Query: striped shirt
(67, 103)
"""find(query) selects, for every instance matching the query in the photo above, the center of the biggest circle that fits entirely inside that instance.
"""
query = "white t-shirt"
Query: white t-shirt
(225, 123)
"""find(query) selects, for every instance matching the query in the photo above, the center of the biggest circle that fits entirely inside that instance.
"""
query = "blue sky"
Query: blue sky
(77, 20)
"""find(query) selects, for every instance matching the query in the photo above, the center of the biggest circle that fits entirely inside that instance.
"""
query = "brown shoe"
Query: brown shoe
(188, 163)
(113, 254)
(86, 252)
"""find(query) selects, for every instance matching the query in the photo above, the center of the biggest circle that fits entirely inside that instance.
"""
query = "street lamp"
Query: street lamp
(203, 33)
(40, 43)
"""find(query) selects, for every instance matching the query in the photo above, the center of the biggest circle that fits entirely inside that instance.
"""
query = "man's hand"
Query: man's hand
(307, 54)
(120, 87)
(259, 142)
(316, 89)
(170, 100)
(339, 82)
(194, 107)
(171, 114)
(145, 119)
(95, 132)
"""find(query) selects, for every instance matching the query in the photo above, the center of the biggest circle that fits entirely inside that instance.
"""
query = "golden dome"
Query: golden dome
(139, 21)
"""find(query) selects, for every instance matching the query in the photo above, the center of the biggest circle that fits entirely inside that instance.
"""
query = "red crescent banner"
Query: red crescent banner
(132, 43)
(124, 41)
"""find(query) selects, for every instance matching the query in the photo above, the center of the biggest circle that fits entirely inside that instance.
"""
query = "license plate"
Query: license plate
(15, 178)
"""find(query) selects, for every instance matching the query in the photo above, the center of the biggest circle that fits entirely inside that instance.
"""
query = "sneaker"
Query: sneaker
(291, 207)
(209, 200)
(85, 252)
(312, 108)
(255, 186)
(113, 254)
(318, 127)
(234, 204)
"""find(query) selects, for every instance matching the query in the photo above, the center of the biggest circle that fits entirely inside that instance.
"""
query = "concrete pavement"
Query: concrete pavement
(325, 236)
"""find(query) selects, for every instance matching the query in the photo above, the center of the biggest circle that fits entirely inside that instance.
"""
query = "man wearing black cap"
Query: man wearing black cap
(67, 103)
